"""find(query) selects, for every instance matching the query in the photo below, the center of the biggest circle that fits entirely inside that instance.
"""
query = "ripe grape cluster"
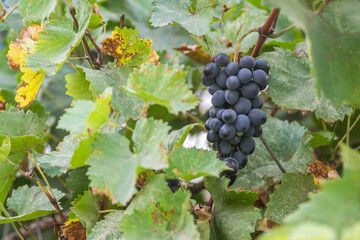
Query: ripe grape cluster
(236, 116)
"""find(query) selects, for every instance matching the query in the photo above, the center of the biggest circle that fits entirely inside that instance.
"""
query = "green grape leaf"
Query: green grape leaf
(25, 130)
(5, 149)
(112, 168)
(58, 39)
(82, 152)
(233, 213)
(77, 181)
(192, 163)
(87, 117)
(8, 173)
(78, 86)
(149, 138)
(161, 220)
(196, 21)
(321, 138)
(162, 85)
(57, 162)
(293, 190)
(294, 155)
(36, 10)
(177, 137)
(332, 37)
(292, 86)
(115, 77)
(108, 228)
(29, 203)
(345, 191)
(86, 209)
(154, 189)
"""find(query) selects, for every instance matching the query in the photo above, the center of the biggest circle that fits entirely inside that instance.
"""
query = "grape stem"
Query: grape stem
(272, 155)
(237, 50)
(276, 35)
(122, 19)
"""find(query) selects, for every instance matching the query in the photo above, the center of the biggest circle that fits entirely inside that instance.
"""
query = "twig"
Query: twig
(105, 206)
(267, 29)
(99, 59)
(122, 18)
(4, 18)
(276, 35)
(237, 49)
(347, 133)
(272, 155)
(207, 44)
(347, 128)
(274, 110)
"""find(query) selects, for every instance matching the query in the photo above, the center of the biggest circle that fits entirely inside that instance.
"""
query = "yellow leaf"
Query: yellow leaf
(128, 50)
(14, 55)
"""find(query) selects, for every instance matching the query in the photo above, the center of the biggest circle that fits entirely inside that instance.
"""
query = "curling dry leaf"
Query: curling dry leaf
(128, 50)
(74, 231)
(17, 55)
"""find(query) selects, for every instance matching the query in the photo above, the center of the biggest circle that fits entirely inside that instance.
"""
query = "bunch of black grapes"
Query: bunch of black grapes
(236, 116)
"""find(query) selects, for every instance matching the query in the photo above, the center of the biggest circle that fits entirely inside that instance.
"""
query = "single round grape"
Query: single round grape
(240, 158)
(250, 132)
(260, 78)
(231, 96)
(235, 140)
(263, 65)
(247, 62)
(233, 164)
(256, 102)
(207, 81)
(222, 60)
(207, 124)
(257, 117)
(216, 124)
(242, 123)
(258, 131)
(211, 70)
(224, 147)
(219, 113)
(218, 99)
(250, 90)
(244, 76)
(213, 88)
(221, 79)
(243, 106)
(227, 131)
(247, 145)
(229, 116)
(232, 83)
(213, 111)
(213, 136)
(232, 68)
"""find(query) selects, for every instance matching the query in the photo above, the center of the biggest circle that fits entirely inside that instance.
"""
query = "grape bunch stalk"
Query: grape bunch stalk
(236, 116)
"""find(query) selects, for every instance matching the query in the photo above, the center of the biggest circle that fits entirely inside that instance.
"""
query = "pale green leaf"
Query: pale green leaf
(162, 85)
(196, 21)
(82, 152)
(177, 137)
(112, 168)
(321, 138)
(5, 149)
(78, 86)
(192, 163)
(77, 181)
(108, 229)
(36, 10)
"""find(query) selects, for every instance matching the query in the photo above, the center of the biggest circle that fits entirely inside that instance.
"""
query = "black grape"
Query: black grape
(207, 81)
(244, 76)
(250, 132)
(216, 124)
(227, 131)
(247, 145)
(235, 140)
(260, 78)
(207, 124)
(222, 60)
(213, 111)
(250, 90)
(247, 62)
(241, 159)
(258, 131)
(232, 68)
(211, 70)
(243, 106)
(229, 116)
(231, 163)
(219, 113)
(263, 65)
(256, 102)
(221, 79)
(213, 88)
(231, 96)
(257, 117)
(224, 148)
(242, 123)
(218, 99)
(232, 83)
(213, 136)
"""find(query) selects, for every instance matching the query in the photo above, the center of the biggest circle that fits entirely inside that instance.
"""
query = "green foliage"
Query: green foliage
(177, 138)
(78, 86)
(108, 228)
(36, 10)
